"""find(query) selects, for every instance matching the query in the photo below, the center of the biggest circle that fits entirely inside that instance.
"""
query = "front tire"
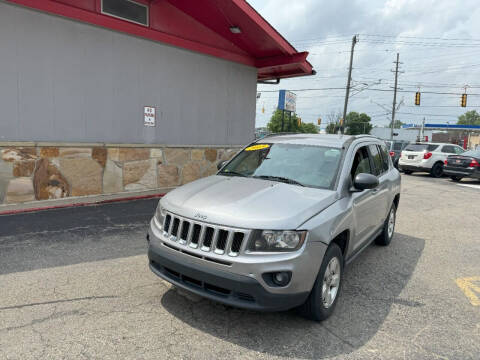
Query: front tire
(437, 170)
(388, 228)
(324, 296)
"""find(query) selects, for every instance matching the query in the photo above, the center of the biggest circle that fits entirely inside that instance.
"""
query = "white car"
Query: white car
(426, 157)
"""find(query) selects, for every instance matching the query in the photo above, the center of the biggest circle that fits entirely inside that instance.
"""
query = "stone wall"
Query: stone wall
(29, 173)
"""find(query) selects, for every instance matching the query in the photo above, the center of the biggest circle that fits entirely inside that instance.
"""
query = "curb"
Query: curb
(81, 204)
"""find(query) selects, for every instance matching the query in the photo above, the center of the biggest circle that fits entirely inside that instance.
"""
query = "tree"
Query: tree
(290, 124)
(356, 124)
(397, 124)
(332, 128)
(308, 128)
(469, 118)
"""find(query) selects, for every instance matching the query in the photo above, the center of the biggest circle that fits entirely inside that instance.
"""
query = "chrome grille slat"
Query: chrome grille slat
(228, 245)
(209, 238)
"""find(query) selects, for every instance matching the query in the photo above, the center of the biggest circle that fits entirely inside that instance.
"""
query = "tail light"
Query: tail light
(427, 155)
(392, 153)
(446, 162)
(474, 163)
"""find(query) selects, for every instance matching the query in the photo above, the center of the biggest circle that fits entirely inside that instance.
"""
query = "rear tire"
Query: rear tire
(325, 292)
(456, 178)
(386, 236)
(407, 172)
(437, 170)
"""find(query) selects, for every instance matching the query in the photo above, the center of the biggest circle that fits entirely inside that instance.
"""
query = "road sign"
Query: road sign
(287, 100)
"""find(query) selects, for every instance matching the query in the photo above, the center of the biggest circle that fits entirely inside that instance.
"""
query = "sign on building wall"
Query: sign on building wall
(287, 100)
(148, 116)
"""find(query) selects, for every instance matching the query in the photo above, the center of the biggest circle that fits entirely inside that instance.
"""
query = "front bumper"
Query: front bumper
(236, 280)
(223, 287)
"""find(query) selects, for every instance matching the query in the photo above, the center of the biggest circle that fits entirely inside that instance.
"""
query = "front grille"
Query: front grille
(205, 237)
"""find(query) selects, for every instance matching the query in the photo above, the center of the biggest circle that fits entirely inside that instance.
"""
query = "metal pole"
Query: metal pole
(394, 98)
(347, 94)
(423, 129)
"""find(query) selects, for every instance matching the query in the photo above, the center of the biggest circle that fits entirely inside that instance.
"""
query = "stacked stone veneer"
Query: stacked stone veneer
(30, 173)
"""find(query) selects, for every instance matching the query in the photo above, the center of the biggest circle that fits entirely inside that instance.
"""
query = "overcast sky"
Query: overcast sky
(438, 42)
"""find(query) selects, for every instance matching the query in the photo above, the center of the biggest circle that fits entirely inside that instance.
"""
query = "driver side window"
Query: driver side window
(361, 163)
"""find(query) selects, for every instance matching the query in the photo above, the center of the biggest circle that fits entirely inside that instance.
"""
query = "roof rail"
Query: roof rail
(364, 135)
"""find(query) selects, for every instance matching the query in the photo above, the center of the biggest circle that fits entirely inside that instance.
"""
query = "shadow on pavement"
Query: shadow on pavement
(75, 235)
(372, 283)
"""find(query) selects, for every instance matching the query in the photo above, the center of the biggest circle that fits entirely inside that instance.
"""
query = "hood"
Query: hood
(247, 203)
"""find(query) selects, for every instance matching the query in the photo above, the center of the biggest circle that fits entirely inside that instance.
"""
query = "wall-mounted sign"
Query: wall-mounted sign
(287, 100)
(148, 116)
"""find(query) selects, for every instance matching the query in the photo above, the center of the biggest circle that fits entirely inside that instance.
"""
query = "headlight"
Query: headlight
(270, 240)
(160, 213)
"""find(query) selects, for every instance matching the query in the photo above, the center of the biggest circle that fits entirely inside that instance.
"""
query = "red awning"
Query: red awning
(203, 26)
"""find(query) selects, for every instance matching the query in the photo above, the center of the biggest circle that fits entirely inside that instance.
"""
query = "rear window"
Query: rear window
(421, 147)
(398, 146)
(472, 153)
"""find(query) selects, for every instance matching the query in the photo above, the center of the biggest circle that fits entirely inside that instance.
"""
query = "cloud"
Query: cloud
(413, 28)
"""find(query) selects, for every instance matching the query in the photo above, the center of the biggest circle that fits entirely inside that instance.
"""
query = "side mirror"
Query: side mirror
(221, 164)
(365, 181)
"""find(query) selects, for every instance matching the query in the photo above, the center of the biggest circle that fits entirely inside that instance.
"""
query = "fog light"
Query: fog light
(281, 278)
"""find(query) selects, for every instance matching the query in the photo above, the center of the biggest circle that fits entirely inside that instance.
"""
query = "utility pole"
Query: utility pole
(354, 41)
(423, 130)
(394, 97)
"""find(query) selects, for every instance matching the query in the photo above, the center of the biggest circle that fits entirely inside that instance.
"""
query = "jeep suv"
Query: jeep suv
(274, 228)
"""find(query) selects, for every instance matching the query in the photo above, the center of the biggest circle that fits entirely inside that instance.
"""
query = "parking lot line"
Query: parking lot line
(470, 186)
(471, 291)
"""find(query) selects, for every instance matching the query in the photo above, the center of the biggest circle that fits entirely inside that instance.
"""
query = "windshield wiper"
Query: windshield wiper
(232, 173)
(279, 178)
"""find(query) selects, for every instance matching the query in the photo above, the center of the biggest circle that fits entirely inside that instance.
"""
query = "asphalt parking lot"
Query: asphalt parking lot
(75, 284)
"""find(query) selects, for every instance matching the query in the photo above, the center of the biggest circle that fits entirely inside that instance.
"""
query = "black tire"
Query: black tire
(407, 172)
(456, 178)
(314, 308)
(437, 170)
(385, 237)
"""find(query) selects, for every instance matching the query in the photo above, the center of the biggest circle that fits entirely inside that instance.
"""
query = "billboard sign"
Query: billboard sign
(287, 100)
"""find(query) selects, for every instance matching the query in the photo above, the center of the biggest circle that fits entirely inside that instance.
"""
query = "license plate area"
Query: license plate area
(411, 157)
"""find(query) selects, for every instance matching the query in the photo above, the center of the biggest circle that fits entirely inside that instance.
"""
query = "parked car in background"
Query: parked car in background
(395, 148)
(427, 157)
(274, 228)
(465, 165)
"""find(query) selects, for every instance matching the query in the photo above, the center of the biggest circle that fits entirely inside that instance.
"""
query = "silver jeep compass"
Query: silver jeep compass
(274, 228)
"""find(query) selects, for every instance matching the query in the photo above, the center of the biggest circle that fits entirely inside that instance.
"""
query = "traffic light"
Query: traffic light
(464, 100)
(319, 121)
(417, 98)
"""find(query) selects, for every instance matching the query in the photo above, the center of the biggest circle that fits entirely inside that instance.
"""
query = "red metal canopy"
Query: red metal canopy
(202, 26)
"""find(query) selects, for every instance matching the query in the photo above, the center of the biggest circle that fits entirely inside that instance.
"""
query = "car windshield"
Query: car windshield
(472, 153)
(421, 147)
(312, 166)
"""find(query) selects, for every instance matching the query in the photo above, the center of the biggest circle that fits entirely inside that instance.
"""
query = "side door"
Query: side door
(363, 203)
(382, 192)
